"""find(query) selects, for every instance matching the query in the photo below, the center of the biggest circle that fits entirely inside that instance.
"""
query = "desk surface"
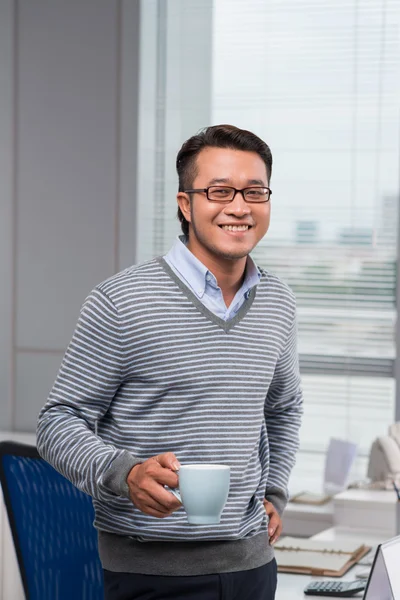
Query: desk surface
(290, 587)
(305, 520)
(313, 509)
(374, 497)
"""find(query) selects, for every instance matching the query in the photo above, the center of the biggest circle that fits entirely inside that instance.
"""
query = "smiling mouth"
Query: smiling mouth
(235, 227)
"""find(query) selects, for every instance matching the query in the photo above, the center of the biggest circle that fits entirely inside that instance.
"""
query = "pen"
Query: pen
(396, 489)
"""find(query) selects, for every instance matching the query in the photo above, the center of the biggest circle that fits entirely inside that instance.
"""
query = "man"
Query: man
(188, 358)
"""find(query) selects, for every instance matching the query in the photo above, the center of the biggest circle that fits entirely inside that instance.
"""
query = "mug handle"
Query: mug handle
(175, 492)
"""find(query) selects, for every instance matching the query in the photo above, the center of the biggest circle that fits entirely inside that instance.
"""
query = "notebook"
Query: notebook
(312, 557)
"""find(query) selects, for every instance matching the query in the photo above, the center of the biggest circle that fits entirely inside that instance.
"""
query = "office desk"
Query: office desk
(290, 587)
(375, 510)
(305, 520)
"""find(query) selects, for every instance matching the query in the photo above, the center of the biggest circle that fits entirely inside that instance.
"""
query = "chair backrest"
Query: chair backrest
(52, 527)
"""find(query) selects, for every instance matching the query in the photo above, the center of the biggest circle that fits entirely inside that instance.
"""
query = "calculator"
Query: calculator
(335, 589)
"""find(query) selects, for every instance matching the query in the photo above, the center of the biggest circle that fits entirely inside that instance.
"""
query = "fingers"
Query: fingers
(159, 495)
(276, 537)
(168, 461)
(160, 474)
(275, 522)
(146, 483)
(158, 503)
(275, 529)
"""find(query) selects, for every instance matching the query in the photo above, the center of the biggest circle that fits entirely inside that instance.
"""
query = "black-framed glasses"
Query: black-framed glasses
(226, 193)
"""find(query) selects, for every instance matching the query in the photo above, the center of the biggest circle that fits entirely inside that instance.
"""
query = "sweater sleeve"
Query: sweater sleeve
(89, 377)
(283, 411)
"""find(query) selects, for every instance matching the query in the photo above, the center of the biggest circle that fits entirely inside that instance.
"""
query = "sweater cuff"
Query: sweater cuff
(278, 497)
(115, 476)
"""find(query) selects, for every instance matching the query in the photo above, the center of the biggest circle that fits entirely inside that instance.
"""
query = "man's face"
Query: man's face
(209, 236)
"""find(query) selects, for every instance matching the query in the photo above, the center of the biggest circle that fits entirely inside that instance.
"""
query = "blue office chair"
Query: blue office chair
(52, 527)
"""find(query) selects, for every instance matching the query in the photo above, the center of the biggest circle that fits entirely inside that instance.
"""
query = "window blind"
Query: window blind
(320, 83)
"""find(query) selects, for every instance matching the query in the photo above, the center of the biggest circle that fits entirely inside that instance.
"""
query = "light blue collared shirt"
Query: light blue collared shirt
(204, 284)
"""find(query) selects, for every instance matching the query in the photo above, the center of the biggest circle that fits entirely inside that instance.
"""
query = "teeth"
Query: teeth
(235, 227)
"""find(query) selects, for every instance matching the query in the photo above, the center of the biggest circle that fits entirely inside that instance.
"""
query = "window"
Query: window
(320, 83)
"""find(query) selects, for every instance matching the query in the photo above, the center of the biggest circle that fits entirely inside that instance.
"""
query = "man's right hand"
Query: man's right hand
(146, 485)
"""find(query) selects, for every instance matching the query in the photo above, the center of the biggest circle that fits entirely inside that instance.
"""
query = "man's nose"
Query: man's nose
(238, 206)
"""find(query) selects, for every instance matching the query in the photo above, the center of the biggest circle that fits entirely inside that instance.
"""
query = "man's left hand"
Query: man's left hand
(275, 522)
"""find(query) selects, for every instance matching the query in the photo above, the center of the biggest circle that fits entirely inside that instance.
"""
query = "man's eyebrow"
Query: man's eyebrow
(256, 182)
(218, 180)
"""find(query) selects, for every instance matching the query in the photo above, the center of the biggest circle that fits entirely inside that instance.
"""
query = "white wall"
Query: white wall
(68, 119)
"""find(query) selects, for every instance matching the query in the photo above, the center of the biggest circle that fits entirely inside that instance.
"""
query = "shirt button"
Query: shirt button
(208, 277)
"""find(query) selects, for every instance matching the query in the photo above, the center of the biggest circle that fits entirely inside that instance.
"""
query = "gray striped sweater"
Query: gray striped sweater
(151, 370)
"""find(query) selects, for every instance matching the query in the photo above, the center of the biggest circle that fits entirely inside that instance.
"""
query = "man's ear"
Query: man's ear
(183, 201)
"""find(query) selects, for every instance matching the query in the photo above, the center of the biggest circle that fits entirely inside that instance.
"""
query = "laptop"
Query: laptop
(384, 578)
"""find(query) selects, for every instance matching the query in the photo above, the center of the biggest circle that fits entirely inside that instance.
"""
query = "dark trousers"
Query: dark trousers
(256, 584)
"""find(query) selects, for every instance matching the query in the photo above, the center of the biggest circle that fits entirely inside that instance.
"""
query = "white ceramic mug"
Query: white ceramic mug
(203, 491)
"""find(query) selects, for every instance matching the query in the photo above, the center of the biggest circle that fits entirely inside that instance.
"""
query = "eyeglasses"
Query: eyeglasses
(226, 194)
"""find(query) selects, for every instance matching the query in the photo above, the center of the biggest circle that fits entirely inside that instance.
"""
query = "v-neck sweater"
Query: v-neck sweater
(151, 370)
(203, 283)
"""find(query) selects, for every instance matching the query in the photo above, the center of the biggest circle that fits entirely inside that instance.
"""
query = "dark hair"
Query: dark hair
(217, 136)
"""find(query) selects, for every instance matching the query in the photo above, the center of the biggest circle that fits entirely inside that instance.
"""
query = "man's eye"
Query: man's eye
(221, 192)
(255, 193)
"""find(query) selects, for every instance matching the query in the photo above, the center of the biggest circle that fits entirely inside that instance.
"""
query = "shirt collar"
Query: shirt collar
(197, 276)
